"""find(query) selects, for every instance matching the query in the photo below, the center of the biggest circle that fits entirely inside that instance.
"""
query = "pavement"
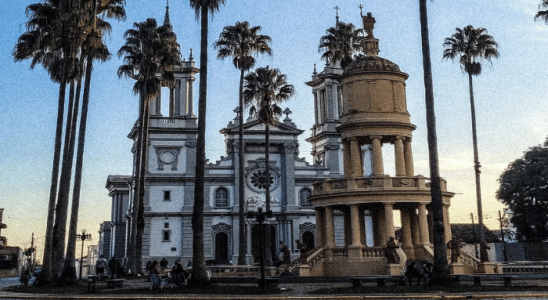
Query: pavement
(292, 291)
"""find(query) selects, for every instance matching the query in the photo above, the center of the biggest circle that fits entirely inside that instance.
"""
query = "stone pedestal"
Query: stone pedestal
(488, 268)
(456, 268)
(303, 270)
(355, 253)
(393, 269)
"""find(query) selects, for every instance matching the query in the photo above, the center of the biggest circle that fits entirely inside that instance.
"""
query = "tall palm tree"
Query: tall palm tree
(242, 42)
(49, 40)
(472, 46)
(149, 50)
(92, 49)
(341, 43)
(441, 270)
(202, 9)
(542, 14)
(265, 88)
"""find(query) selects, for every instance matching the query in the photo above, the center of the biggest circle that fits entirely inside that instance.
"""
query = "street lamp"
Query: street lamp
(261, 216)
(82, 237)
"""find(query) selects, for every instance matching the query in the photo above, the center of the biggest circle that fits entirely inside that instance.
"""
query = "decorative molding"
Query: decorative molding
(190, 144)
(167, 156)
(221, 227)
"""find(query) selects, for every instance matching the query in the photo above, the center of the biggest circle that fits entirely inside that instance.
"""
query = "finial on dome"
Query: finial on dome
(190, 57)
(370, 43)
(337, 13)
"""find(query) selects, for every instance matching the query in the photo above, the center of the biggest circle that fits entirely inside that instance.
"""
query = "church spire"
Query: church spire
(166, 18)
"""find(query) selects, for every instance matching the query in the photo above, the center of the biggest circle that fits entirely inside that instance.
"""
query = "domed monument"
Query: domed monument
(371, 112)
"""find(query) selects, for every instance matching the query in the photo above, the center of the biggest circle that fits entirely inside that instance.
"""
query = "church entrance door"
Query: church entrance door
(221, 247)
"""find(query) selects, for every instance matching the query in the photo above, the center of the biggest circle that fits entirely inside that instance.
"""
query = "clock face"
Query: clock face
(168, 157)
(258, 181)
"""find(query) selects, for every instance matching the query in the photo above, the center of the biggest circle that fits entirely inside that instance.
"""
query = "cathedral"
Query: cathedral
(171, 173)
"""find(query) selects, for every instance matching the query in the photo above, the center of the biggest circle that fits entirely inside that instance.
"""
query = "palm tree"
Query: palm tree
(441, 270)
(471, 46)
(340, 43)
(241, 42)
(202, 9)
(543, 14)
(264, 89)
(149, 50)
(49, 40)
(93, 48)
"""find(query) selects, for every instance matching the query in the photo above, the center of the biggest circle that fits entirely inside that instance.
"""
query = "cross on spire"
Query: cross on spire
(337, 13)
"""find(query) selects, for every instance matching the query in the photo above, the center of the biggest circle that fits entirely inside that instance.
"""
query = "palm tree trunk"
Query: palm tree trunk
(267, 230)
(46, 274)
(60, 227)
(69, 269)
(477, 166)
(242, 250)
(441, 271)
(199, 275)
(132, 246)
(142, 183)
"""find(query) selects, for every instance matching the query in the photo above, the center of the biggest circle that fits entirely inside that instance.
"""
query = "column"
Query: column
(356, 158)
(389, 219)
(329, 228)
(249, 237)
(377, 156)
(347, 159)
(408, 153)
(190, 97)
(446, 223)
(423, 225)
(329, 102)
(407, 244)
(400, 160)
(355, 225)
(320, 232)
(415, 236)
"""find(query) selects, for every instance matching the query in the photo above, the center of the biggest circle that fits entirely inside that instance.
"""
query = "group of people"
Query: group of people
(177, 275)
(115, 267)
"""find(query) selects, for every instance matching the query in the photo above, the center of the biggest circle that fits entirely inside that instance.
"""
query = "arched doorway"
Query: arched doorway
(308, 240)
(256, 242)
(221, 247)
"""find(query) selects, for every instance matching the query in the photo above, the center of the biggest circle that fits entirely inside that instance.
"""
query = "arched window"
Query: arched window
(304, 196)
(221, 197)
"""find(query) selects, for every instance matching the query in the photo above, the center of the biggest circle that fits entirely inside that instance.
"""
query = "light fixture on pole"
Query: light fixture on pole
(82, 237)
(260, 217)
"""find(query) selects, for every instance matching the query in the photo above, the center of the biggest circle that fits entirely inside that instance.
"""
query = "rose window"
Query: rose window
(259, 181)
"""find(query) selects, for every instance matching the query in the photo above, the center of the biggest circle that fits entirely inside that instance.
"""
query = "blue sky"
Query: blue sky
(510, 95)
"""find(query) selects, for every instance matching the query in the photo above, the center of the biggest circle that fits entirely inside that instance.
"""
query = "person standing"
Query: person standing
(113, 267)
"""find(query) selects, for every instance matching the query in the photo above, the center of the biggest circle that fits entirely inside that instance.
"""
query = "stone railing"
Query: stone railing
(525, 267)
(340, 253)
(373, 252)
(315, 257)
(470, 261)
(180, 122)
(419, 182)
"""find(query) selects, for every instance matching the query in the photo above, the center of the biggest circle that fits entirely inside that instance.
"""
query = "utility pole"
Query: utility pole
(502, 236)
(475, 238)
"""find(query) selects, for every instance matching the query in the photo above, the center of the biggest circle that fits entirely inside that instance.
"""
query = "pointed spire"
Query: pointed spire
(337, 14)
(167, 21)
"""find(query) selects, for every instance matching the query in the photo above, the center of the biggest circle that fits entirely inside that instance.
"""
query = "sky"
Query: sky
(510, 96)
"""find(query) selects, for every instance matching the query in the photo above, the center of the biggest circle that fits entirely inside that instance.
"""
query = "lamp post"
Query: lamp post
(82, 237)
(261, 216)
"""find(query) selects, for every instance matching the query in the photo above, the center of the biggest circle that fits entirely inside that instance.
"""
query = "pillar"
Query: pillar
(320, 232)
(378, 169)
(355, 225)
(446, 223)
(399, 156)
(329, 228)
(347, 159)
(190, 96)
(249, 238)
(407, 244)
(408, 155)
(356, 158)
(415, 237)
(423, 225)
(389, 220)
